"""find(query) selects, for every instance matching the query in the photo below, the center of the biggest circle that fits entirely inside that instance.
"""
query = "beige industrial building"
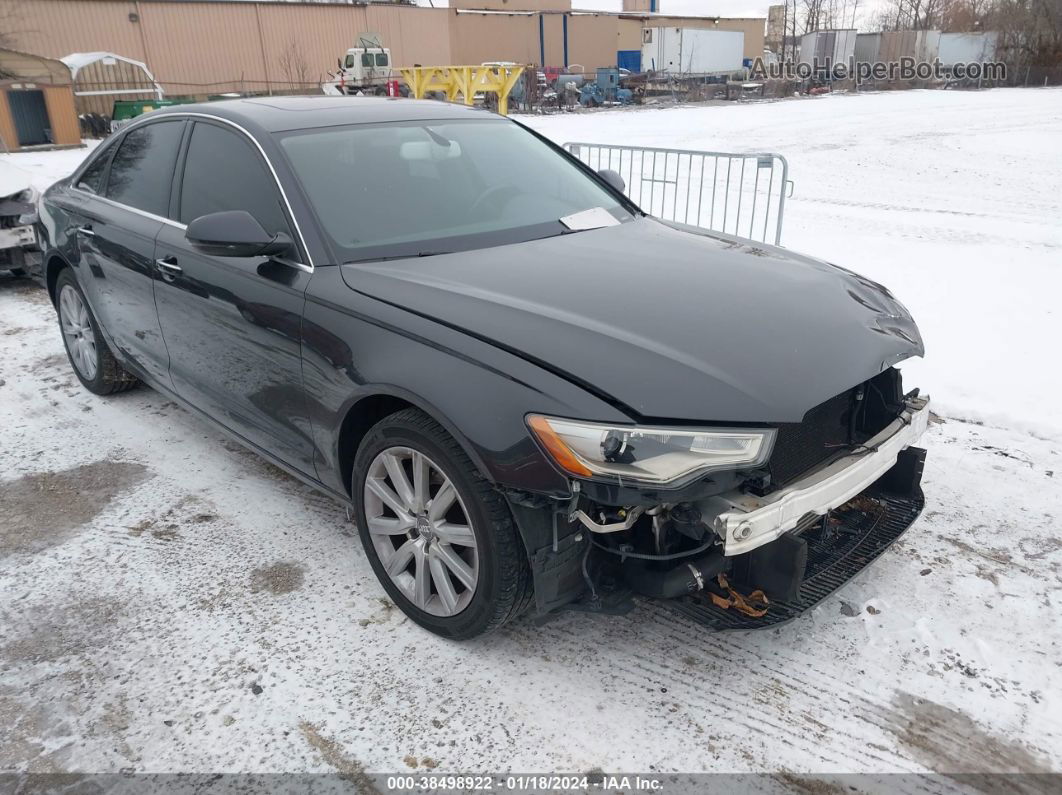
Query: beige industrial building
(215, 46)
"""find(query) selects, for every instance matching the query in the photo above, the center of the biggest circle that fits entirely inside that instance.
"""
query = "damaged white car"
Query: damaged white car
(18, 214)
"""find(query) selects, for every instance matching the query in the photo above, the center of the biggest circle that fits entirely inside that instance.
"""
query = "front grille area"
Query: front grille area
(801, 446)
(826, 430)
(859, 532)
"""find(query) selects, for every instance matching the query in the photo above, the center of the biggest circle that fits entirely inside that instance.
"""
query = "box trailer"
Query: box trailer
(836, 45)
(692, 50)
(895, 45)
(867, 47)
(967, 48)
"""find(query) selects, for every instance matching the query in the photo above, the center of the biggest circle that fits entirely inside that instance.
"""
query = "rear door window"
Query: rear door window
(223, 171)
(142, 168)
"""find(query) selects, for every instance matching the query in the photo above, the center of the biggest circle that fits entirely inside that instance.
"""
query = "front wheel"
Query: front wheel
(441, 540)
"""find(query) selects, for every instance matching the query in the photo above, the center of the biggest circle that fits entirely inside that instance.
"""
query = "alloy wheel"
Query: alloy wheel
(77, 331)
(421, 531)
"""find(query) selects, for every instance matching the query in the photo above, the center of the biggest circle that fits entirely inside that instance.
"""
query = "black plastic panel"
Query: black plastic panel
(852, 538)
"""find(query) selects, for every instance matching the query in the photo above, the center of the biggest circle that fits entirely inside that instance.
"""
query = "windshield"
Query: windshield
(415, 188)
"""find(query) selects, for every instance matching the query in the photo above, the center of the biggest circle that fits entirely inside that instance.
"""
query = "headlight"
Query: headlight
(31, 196)
(648, 455)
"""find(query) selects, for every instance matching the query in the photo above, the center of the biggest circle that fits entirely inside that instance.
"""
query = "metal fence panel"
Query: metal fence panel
(736, 194)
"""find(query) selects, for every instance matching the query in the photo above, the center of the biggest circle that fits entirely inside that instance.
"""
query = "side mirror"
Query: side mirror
(235, 233)
(613, 178)
(339, 63)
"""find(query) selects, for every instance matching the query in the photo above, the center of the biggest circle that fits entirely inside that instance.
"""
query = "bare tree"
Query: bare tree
(294, 65)
(812, 15)
(912, 14)
(9, 23)
(1030, 31)
(966, 16)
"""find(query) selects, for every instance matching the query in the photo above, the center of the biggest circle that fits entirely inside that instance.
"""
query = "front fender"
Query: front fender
(355, 347)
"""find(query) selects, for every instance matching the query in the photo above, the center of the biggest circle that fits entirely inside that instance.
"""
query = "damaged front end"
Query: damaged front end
(18, 214)
(739, 547)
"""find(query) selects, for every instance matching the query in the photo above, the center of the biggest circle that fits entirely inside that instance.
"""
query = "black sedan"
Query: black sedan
(533, 394)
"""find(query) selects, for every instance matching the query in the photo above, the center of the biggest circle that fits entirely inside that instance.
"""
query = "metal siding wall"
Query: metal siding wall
(554, 28)
(60, 27)
(476, 38)
(514, 5)
(415, 35)
(593, 41)
(223, 37)
(629, 35)
(323, 35)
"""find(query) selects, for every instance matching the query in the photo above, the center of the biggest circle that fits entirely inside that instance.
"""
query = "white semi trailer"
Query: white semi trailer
(693, 51)
(836, 45)
(967, 48)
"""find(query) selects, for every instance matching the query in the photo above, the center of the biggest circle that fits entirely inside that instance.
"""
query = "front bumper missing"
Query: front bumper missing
(844, 544)
(18, 236)
(745, 521)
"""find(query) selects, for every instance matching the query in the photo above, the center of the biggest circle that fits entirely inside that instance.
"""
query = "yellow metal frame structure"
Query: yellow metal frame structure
(464, 80)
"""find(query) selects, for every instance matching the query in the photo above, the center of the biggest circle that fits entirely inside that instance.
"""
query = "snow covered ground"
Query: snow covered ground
(169, 602)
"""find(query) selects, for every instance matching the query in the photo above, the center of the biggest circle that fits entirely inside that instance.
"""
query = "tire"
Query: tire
(94, 365)
(497, 560)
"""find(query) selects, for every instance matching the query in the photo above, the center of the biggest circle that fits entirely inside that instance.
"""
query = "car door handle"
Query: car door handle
(168, 266)
(86, 230)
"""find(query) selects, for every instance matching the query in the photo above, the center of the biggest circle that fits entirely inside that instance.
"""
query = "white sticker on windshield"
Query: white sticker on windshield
(594, 218)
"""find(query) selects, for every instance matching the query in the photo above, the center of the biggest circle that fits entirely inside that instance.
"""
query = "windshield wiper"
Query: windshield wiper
(390, 257)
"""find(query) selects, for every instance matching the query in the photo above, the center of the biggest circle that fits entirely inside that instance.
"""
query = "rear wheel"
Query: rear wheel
(93, 362)
(440, 539)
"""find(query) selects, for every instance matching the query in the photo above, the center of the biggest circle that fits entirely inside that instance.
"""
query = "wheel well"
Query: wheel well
(361, 417)
(51, 273)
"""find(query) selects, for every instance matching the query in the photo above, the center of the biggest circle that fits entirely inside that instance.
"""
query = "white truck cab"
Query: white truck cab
(366, 69)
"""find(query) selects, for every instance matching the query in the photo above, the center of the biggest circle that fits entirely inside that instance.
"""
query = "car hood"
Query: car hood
(662, 322)
(13, 180)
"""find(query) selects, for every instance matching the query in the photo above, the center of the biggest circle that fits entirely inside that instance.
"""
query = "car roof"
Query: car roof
(278, 114)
